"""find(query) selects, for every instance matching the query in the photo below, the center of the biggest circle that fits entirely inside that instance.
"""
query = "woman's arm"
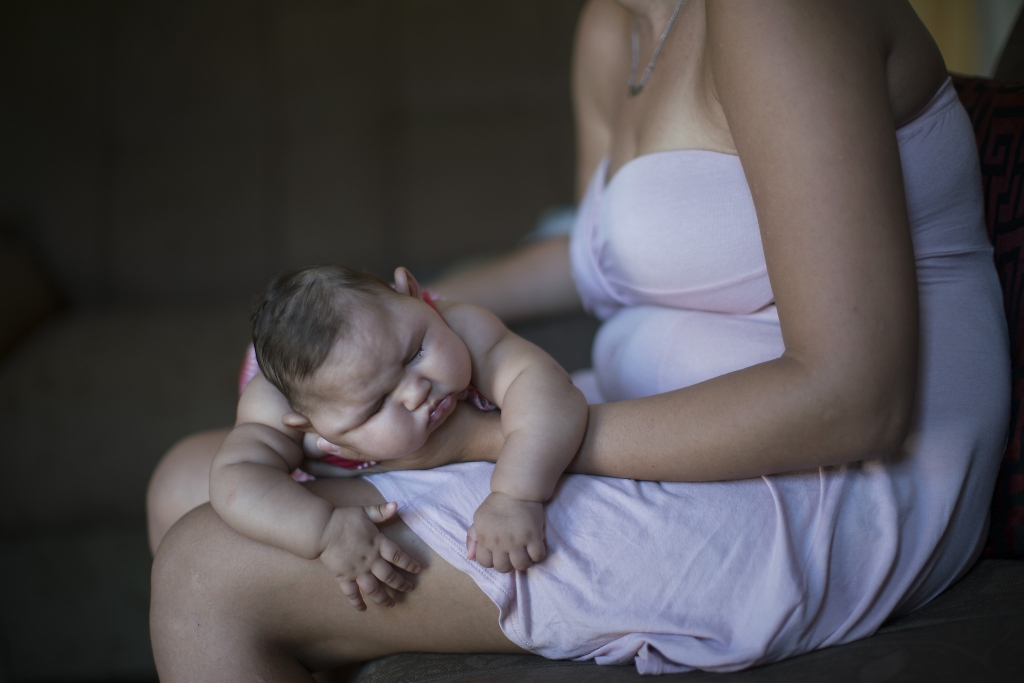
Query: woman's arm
(531, 282)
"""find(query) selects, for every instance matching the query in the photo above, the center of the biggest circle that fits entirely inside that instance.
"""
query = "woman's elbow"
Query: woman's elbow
(893, 427)
(862, 410)
(882, 418)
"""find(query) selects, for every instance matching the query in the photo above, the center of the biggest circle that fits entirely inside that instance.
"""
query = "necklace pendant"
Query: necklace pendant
(634, 86)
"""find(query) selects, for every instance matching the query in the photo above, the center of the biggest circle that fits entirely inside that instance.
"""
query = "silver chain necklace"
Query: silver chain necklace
(634, 87)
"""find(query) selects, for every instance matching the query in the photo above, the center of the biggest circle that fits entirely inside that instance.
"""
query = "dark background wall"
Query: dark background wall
(161, 160)
(159, 152)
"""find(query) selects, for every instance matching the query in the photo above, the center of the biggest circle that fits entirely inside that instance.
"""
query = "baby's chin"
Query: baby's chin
(414, 442)
(413, 445)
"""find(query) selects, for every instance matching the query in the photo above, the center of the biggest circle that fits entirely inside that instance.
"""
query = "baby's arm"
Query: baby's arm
(250, 488)
(543, 418)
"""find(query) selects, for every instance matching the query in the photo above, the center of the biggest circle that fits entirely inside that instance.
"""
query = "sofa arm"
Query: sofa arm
(27, 295)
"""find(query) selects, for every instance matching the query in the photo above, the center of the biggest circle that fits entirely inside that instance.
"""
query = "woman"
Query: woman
(781, 224)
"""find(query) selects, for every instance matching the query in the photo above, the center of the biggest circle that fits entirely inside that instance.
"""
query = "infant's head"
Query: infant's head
(371, 368)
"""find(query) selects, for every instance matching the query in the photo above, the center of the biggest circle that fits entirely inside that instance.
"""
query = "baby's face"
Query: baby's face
(389, 381)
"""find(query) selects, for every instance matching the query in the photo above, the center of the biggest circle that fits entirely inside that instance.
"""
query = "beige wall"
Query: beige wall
(970, 33)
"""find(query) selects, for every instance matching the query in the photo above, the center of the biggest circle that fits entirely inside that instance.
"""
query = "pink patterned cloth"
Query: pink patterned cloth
(726, 575)
(250, 368)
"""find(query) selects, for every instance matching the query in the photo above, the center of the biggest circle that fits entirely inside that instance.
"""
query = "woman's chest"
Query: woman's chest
(677, 107)
(675, 229)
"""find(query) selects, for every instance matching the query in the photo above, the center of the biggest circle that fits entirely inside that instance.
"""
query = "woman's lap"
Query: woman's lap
(634, 569)
(223, 603)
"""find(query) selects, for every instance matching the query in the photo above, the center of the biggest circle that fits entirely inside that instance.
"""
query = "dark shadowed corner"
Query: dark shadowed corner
(160, 162)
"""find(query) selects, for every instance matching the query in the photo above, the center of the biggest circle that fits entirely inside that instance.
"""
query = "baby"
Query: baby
(375, 370)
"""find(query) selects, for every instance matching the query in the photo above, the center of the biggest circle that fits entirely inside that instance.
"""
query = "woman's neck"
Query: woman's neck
(653, 15)
(652, 20)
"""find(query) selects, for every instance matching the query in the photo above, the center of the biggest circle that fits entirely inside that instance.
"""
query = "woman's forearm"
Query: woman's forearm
(531, 282)
(765, 419)
(779, 416)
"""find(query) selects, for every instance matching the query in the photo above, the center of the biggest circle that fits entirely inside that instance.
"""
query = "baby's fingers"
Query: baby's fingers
(380, 513)
(389, 575)
(537, 550)
(394, 554)
(471, 543)
(520, 559)
(374, 589)
(326, 446)
(351, 591)
(483, 556)
(501, 562)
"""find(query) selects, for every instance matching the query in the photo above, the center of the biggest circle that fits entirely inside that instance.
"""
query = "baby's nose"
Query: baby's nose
(416, 393)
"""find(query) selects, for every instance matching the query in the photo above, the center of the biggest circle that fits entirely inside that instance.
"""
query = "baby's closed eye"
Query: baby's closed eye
(419, 354)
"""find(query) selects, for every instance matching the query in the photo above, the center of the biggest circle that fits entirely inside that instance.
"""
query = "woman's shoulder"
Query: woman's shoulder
(777, 39)
(600, 70)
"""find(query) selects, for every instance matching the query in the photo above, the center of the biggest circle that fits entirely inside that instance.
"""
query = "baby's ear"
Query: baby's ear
(296, 421)
(406, 284)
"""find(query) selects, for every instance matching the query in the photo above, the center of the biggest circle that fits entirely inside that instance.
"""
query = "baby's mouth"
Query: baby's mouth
(440, 409)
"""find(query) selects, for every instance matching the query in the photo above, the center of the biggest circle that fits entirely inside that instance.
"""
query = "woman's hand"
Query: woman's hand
(467, 435)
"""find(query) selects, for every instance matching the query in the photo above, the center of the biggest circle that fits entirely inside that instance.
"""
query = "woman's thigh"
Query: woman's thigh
(180, 482)
(227, 607)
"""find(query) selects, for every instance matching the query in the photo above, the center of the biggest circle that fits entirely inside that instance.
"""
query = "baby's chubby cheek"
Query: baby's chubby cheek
(393, 443)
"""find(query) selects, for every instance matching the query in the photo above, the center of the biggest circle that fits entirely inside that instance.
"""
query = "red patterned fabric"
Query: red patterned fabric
(250, 368)
(479, 401)
(997, 113)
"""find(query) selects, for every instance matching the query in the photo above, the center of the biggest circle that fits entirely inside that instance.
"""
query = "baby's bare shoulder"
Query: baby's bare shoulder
(478, 327)
(456, 313)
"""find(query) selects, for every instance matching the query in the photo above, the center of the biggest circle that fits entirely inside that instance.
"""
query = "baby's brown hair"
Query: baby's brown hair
(301, 315)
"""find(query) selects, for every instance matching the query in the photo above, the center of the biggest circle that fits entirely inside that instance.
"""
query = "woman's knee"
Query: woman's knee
(174, 603)
(223, 602)
(221, 599)
(199, 621)
(180, 482)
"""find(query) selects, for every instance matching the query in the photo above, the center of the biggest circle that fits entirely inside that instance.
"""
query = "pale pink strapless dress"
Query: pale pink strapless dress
(722, 576)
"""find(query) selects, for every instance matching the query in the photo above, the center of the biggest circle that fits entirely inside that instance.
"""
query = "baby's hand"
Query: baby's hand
(507, 533)
(360, 557)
